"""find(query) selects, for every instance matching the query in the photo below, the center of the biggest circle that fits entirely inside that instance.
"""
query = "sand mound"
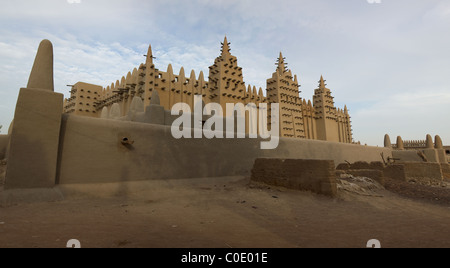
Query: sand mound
(435, 192)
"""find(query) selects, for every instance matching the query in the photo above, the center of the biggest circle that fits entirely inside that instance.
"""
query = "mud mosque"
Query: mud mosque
(317, 120)
(123, 134)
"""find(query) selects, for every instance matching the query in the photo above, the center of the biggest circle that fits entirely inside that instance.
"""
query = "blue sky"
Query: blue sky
(389, 62)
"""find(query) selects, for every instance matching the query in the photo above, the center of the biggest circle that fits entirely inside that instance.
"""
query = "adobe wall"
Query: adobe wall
(33, 152)
(400, 171)
(318, 176)
(91, 152)
(323, 150)
(406, 156)
(4, 139)
(445, 171)
(432, 155)
(441, 156)
(423, 170)
(396, 172)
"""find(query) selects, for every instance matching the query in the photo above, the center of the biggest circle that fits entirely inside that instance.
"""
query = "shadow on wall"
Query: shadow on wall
(36, 173)
(4, 139)
(2, 174)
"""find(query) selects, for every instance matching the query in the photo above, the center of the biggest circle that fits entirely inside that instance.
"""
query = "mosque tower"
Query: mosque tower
(283, 88)
(226, 82)
(326, 113)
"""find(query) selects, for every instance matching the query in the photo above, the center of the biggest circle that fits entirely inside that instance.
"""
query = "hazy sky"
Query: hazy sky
(389, 62)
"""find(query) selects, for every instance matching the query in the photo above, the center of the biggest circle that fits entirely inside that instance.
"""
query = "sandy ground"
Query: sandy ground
(222, 213)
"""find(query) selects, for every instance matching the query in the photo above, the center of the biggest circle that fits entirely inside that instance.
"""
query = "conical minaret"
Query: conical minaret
(33, 148)
(41, 76)
(387, 141)
(400, 145)
(149, 56)
(281, 64)
(439, 143)
(322, 83)
(326, 113)
(202, 84)
(283, 88)
(429, 142)
(226, 81)
(147, 86)
(226, 47)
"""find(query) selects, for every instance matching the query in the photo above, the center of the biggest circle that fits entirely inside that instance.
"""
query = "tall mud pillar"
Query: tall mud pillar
(33, 152)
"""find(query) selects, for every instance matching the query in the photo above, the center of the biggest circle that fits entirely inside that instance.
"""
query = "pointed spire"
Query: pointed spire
(169, 72)
(387, 141)
(128, 79)
(430, 144)
(288, 71)
(260, 93)
(201, 80)
(281, 64)
(322, 82)
(192, 83)
(182, 76)
(149, 59)
(201, 84)
(41, 76)
(400, 145)
(439, 143)
(249, 91)
(170, 69)
(345, 109)
(226, 47)
(134, 76)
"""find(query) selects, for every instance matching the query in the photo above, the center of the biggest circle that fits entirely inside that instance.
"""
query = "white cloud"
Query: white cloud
(74, 61)
(387, 62)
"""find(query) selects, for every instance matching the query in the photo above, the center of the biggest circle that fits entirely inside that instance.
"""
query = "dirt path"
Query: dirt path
(221, 213)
